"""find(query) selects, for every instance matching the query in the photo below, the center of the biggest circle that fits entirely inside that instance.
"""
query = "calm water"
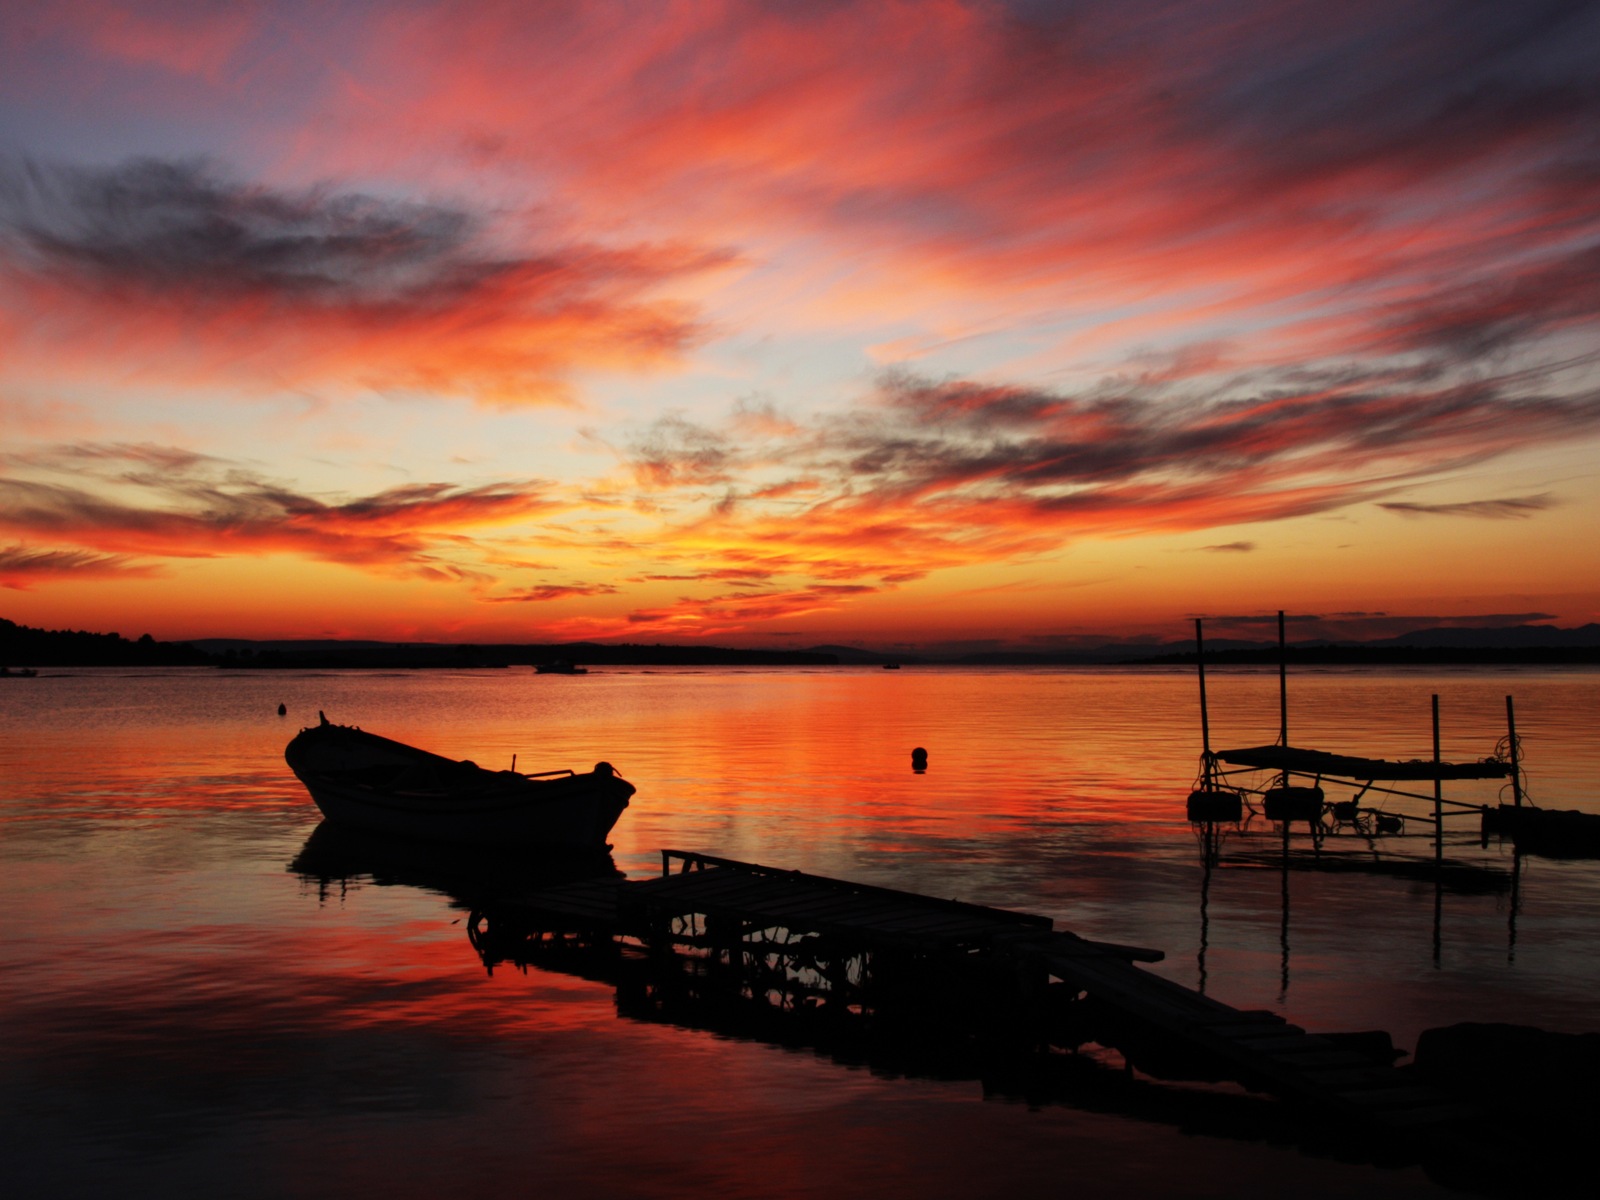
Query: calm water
(185, 1014)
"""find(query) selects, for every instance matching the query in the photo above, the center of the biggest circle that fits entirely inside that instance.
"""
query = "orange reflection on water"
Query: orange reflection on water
(186, 984)
(1051, 791)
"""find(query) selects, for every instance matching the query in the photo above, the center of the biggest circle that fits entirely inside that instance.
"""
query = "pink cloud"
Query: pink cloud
(1180, 164)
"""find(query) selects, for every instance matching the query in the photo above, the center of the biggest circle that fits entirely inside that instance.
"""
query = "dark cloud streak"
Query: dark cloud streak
(180, 226)
(22, 567)
(1511, 507)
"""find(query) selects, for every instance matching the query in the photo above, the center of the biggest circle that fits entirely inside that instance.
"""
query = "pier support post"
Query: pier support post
(1283, 689)
(1438, 790)
(1516, 765)
(1208, 765)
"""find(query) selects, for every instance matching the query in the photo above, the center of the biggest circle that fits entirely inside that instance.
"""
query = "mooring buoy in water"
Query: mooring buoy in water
(283, 710)
(919, 760)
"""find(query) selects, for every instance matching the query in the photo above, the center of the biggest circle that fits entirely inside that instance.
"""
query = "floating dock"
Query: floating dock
(827, 948)
(1219, 798)
(1319, 763)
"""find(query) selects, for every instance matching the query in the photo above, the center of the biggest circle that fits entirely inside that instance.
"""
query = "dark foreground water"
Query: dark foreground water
(193, 1003)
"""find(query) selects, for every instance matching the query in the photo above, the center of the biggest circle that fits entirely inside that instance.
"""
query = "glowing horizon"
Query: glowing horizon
(898, 324)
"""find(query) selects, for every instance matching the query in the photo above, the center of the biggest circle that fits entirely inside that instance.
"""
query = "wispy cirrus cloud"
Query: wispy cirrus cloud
(112, 501)
(552, 591)
(937, 473)
(1516, 303)
(1270, 164)
(22, 567)
(712, 616)
(176, 261)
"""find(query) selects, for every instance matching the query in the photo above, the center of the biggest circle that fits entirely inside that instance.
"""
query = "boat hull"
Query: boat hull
(362, 781)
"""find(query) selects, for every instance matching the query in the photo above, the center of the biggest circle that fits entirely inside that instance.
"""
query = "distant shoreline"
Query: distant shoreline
(22, 647)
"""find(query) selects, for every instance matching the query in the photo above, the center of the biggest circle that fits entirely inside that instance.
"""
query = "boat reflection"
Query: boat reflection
(469, 877)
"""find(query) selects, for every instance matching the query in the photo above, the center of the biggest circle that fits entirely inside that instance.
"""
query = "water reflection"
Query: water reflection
(1326, 852)
(941, 1033)
(1283, 927)
(469, 878)
(175, 1003)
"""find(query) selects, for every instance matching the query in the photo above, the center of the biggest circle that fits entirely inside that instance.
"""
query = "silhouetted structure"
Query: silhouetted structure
(967, 1014)
(1218, 796)
(725, 932)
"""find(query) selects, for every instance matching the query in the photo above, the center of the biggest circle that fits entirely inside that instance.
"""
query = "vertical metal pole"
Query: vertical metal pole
(1283, 687)
(1438, 789)
(1516, 767)
(1205, 717)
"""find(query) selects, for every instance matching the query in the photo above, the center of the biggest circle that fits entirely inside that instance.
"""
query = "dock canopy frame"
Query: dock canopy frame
(1345, 766)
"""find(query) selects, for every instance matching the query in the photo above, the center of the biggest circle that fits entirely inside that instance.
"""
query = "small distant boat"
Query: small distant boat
(363, 781)
(891, 666)
(19, 673)
(560, 667)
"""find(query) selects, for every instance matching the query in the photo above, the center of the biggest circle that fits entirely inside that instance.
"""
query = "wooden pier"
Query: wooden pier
(822, 947)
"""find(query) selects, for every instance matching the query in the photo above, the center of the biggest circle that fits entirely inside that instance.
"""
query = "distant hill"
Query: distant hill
(1529, 644)
(1504, 637)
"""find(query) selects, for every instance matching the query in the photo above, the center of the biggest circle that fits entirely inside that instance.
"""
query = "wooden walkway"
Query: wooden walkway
(1259, 1049)
(713, 905)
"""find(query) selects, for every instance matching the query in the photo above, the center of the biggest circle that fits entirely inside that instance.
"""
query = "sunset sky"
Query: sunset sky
(916, 325)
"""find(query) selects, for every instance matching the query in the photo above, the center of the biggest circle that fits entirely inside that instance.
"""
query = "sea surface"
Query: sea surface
(193, 1002)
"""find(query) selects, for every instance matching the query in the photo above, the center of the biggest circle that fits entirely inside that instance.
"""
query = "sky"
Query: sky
(918, 326)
